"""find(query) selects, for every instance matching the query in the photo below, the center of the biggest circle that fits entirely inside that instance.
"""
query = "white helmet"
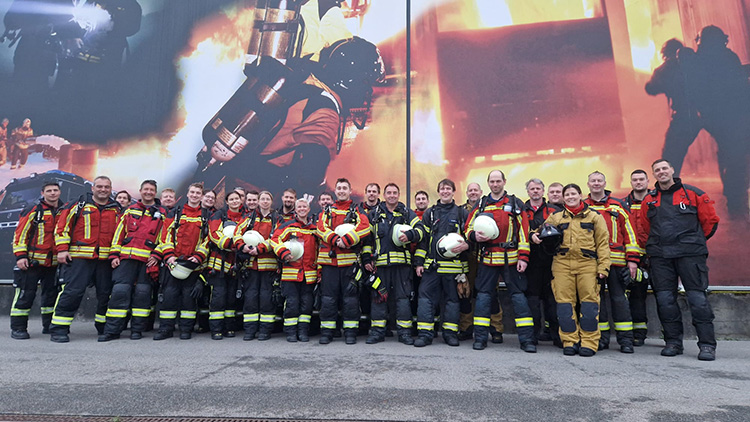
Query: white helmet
(343, 229)
(447, 243)
(252, 238)
(182, 268)
(229, 228)
(397, 230)
(485, 224)
(296, 247)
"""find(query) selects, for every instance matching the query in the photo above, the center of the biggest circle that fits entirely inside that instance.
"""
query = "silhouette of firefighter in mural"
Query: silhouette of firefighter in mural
(715, 96)
(684, 125)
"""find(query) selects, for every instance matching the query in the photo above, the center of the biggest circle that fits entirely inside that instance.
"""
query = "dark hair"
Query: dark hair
(421, 192)
(226, 198)
(130, 198)
(328, 194)
(151, 182)
(343, 180)
(659, 161)
(639, 171)
(446, 182)
(670, 48)
(572, 186)
(290, 190)
(252, 192)
(391, 184)
(378, 186)
(50, 183)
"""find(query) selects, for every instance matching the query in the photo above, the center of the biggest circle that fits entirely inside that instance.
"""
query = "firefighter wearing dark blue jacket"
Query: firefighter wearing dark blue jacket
(676, 221)
(387, 257)
(441, 263)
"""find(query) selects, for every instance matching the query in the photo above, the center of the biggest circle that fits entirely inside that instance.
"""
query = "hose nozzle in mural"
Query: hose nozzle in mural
(256, 111)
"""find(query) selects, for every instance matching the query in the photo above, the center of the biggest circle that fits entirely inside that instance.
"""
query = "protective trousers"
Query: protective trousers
(637, 300)
(623, 322)
(515, 282)
(298, 306)
(693, 272)
(177, 299)
(397, 279)
(437, 291)
(573, 282)
(223, 300)
(25, 282)
(76, 277)
(336, 284)
(539, 292)
(466, 305)
(131, 287)
(258, 310)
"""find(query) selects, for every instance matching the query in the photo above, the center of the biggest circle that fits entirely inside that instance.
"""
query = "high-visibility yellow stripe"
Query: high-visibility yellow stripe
(331, 325)
(187, 314)
(117, 313)
(305, 319)
(640, 326)
(481, 321)
(267, 318)
(58, 320)
(229, 313)
(167, 314)
(46, 310)
(378, 323)
(351, 324)
(624, 326)
(99, 318)
(403, 323)
(450, 326)
(138, 312)
(290, 321)
(250, 318)
(604, 326)
(525, 322)
(425, 326)
(216, 315)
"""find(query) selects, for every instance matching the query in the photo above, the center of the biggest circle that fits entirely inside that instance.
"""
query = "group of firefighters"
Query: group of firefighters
(14, 146)
(228, 270)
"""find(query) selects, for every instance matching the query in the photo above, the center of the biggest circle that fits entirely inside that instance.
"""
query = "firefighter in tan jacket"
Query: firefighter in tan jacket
(581, 258)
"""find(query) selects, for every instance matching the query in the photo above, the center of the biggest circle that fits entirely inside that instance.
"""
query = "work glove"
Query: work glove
(197, 291)
(462, 286)
(380, 288)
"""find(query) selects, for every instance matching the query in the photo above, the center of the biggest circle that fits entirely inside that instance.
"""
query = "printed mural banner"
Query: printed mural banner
(271, 94)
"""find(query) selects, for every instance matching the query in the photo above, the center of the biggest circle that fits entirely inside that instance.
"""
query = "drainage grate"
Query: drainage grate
(64, 418)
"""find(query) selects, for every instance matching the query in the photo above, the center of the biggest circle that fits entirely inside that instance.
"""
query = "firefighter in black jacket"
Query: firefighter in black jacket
(387, 256)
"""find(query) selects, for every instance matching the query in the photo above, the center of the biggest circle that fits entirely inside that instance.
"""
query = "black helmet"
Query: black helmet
(551, 238)
(351, 67)
(712, 35)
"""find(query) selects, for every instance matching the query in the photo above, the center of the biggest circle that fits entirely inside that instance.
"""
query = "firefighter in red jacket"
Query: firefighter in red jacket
(83, 236)
(506, 256)
(639, 288)
(624, 253)
(34, 248)
(135, 264)
(677, 220)
(258, 269)
(220, 272)
(299, 274)
(340, 272)
(186, 237)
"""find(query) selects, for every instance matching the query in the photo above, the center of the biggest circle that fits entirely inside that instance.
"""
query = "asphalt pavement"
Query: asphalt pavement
(388, 381)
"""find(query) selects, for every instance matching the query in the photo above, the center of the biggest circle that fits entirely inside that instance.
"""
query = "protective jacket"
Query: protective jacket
(636, 218)
(34, 237)
(306, 268)
(265, 225)
(536, 218)
(623, 243)
(338, 213)
(186, 234)
(85, 229)
(585, 239)
(677, 221)
(221, 247)
(138, 232)
(439, 220)
(380, 247)
(512, 244)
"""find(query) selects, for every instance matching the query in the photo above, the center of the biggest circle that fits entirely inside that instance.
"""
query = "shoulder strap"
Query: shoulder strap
(79, 210)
